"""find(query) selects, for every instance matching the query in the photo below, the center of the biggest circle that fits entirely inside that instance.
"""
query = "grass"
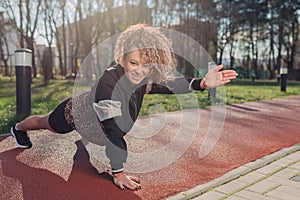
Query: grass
(43, 99)
(238, 91)
(244, 90)
(46, 98)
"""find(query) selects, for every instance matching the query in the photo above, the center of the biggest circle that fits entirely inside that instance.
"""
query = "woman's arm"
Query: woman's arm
(214, 78)
(116, 151)
(108, 107)
(181, 85)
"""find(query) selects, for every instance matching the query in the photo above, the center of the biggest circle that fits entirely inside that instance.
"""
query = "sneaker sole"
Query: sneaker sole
(18, 145)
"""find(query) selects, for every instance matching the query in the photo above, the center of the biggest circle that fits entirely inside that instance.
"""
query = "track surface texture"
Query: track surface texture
(66, 166)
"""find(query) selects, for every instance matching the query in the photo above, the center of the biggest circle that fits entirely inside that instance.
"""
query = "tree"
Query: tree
(252, 20)
(284, 24)
(224, 14)
(289, 15)
(62, 40)
(26, 24)
(164, 11)
(272, 61)
(49, 24)
(59, 20)
(90, 21)
(4, 50)
(47, 63)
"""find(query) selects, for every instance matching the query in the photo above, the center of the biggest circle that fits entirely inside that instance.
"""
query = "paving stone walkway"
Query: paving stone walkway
(273, 177)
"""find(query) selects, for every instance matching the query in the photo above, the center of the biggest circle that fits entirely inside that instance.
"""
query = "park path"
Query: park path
(65, 167)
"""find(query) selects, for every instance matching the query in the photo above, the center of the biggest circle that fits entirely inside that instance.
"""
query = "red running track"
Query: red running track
(61, 167)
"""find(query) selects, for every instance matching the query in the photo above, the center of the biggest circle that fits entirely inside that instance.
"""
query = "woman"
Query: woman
(144, 64)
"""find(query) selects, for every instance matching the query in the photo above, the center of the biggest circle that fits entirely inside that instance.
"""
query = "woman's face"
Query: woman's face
(135, 67)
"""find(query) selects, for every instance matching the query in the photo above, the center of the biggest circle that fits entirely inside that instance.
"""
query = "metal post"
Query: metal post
(23, 81)
(283, 78)
(212, 91)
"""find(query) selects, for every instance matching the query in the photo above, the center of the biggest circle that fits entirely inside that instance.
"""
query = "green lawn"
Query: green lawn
(44, 99)
(237, 91)
(240, 91)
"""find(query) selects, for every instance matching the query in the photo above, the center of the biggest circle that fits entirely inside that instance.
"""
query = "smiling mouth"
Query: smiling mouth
(136, 77)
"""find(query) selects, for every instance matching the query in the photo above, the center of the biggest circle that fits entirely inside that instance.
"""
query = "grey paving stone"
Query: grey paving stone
(295, 166)
(235, 198)
(263, 186)
(177, 197)
(285, 193)
(251, 177)
(258, 163)
(235, 173)
(210, 195)
(284, 162)
(252, 195)
(284, 182)
(269, 169)
(294, 156)
(231, 187)
(287, 173)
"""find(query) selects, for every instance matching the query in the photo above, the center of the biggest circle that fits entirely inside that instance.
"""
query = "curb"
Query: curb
(235, 173)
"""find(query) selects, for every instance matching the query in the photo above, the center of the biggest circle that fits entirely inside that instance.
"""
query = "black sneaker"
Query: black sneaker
(22, 140)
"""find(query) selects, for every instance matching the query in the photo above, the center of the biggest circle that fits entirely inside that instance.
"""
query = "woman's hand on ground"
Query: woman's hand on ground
(129, 182)
(215, 78)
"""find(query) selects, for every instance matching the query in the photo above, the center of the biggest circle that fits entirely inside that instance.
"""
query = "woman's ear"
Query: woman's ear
(121, 61)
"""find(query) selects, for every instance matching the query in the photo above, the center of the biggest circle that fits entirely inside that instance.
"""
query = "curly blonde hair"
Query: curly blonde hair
(155, 48)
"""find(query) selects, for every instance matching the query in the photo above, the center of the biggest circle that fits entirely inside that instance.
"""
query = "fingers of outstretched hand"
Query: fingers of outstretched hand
(134, 183)
(135, 179)
(228, 74)
(129, 182)
(119, 184)
(215, 78)
(224, 72)
(218, 68)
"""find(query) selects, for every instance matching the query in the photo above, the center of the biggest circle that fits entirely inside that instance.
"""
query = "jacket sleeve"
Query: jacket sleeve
(107, 106)
(180, 85)
(116, 149)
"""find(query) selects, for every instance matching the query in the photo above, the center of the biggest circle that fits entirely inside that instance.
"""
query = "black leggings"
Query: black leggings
(57, 120)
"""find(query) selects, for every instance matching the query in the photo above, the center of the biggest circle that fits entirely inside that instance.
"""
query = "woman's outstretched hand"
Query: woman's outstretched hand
(129, 182)
(215, 78)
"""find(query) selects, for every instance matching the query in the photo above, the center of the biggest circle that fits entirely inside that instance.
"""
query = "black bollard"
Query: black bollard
(23, 81)
(283, 79)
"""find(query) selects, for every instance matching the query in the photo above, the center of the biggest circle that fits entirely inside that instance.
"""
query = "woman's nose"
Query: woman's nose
(139, 69)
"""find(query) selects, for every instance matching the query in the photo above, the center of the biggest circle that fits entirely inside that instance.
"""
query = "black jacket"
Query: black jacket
(117, 104)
